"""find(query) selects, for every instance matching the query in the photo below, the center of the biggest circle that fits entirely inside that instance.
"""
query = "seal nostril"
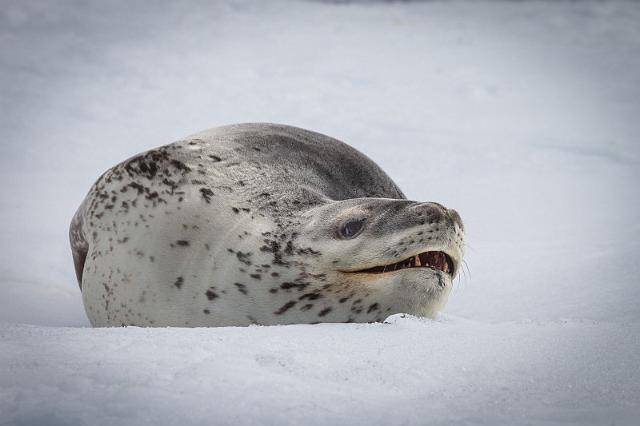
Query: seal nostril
(455, 218)
(433, 212)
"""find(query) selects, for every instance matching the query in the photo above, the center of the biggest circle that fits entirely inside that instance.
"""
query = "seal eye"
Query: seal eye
(352, 228)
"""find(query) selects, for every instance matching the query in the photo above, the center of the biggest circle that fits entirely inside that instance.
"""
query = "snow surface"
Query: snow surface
(524, 116)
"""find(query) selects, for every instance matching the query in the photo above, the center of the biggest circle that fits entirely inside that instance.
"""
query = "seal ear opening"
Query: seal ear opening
(79, 245)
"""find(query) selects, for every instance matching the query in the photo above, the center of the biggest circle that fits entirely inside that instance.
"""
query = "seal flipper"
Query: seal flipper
(79, 245)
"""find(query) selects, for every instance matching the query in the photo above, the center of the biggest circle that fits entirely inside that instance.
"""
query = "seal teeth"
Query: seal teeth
(429, 259)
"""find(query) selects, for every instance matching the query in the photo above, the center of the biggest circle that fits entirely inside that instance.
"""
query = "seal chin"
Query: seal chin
(417, 291)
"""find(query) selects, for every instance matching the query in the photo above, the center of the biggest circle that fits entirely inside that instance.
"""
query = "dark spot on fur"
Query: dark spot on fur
(289, 249)
(206, 311)
(211, 294)
(325, 311)
(372, 308)
(289, 285)
(179, 282)
(180, 166)
(274, 247)
(256, 276)
(171, 184)
(311, 296)
(284, 308)
(206, 194)
(241, 288)
(151, 195)
(136, 186)
(183, 243)
(244, 257)
(308, 251)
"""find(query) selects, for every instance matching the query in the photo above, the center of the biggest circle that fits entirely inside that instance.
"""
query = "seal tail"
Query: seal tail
(79, 245)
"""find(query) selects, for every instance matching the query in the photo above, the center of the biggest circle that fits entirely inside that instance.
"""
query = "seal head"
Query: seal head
(259, 224)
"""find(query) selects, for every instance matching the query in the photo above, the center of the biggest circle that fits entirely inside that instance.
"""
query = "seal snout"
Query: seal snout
(435, 213)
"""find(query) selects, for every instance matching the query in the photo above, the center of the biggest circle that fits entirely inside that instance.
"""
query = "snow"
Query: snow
(521, 115)
(409, 372)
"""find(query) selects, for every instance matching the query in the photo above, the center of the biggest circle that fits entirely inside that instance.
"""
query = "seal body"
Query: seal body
(258, 224)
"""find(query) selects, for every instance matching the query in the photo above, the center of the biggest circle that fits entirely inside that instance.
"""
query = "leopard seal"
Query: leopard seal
(258, 224)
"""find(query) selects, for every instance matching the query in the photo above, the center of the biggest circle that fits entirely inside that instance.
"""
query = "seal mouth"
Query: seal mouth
(437, 260)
